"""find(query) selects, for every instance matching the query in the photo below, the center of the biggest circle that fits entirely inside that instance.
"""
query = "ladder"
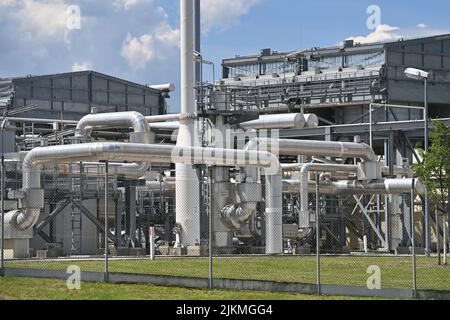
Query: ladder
(206, 198)
(76, 231)
(76, 218)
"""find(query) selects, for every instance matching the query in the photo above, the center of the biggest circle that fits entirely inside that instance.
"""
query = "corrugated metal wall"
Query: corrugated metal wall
(430, 54)
(75, 94)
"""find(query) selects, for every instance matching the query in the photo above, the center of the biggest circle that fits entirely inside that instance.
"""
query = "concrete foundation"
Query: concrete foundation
(408, 250)
(127, 252)
(17, 249)
(171, 251)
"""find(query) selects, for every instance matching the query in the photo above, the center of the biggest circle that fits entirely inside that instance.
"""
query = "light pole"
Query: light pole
(420, 75)
(2, 247)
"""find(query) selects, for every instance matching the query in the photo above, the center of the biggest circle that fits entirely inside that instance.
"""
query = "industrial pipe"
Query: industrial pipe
(188, 186)
(168, 126)
(274, 224)
(352, 187)
(314, 148)
(141, 134)
(163, 118)
(132, 119)
(312, 121)
(166, 87)
(33, 201)
(276, 121)
(304, 217)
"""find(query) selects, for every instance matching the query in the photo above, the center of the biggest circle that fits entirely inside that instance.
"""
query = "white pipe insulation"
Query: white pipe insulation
(304, 216)
(187, 185)
(314, 148)
(274, 184)
(131, 119)
(141, 134)
(276, 121)
(353, 187)
(163, 118)
(282, 121)
(167, 126)
(265, 122)
(33, 201)
(312, 121)
(166, 87)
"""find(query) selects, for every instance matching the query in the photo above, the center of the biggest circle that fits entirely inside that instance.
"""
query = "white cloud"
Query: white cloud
(7, 2)
(224, 14)
(39, 18)
(383, 33)
(126, 4)
(387, 33)
(82, 66)
(139, 51)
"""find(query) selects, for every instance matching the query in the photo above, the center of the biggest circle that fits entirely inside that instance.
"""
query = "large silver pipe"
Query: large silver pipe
(274, 204)
(349, 168)
(274, 213)
(169, 126)
(135, 120)
(141, 134)
(304, 216)
(33, 201)
(166, 87)
(399, 171)
(188, 186)
(274, 182)
(315, 148)
(276, 121)
(163, 118)
(352, 187)
(312, 121)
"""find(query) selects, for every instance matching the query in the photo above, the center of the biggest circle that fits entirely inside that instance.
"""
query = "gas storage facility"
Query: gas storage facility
(87, 155)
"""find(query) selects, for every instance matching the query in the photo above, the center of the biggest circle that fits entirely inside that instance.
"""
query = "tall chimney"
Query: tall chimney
(187, 182)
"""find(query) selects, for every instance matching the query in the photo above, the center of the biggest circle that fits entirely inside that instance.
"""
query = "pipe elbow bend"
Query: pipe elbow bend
(22, 220)
(371, 156)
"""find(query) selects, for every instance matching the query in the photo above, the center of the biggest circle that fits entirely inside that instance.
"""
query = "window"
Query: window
(365, 60)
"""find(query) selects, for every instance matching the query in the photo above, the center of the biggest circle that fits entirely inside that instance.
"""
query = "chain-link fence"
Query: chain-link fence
(101, 222)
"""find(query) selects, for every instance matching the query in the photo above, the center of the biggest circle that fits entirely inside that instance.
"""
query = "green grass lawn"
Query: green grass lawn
(396, 272)
(43, 289)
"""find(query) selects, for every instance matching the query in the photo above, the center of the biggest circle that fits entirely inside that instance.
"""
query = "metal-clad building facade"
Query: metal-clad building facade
(325, 77)
(73, 95)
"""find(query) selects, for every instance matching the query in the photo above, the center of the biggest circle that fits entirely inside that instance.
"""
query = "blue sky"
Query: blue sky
(138, 39)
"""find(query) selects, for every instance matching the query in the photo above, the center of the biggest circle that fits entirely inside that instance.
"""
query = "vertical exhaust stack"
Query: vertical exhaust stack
(187, 182)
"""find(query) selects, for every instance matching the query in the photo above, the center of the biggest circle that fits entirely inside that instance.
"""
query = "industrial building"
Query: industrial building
(87, 154)
(339, 84)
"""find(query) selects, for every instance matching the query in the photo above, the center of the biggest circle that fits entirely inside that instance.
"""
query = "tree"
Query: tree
(434, 171)
(435, 166)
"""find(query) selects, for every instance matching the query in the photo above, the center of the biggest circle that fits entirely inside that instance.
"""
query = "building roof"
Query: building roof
(88, 72)
(268, 56)
(6, 92)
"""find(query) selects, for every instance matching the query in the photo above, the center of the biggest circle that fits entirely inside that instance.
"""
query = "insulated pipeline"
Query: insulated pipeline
(33, 201)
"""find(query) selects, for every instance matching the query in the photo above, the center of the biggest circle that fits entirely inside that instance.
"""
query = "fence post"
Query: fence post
(106, 222)
(2, 245)
(151, 240)
(444, 226)
(319, 289)
(438, 249)
(210, 238)
(413, 239)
